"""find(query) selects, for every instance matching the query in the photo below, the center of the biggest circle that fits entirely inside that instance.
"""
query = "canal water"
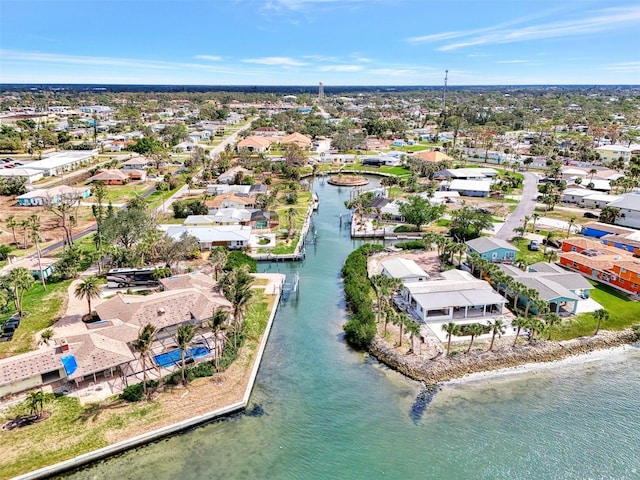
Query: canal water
(320, 410)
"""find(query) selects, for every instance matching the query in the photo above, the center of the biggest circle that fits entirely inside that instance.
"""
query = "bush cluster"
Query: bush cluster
(360, 329)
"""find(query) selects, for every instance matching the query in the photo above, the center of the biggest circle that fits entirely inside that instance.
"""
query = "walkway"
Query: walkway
(524, 208)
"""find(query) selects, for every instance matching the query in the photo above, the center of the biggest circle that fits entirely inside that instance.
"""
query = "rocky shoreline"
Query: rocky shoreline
(442, 368)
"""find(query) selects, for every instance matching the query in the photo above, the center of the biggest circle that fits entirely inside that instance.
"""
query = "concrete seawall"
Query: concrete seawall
(158, 434)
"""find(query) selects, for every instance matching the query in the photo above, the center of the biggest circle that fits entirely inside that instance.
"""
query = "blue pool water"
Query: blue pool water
(172, 358)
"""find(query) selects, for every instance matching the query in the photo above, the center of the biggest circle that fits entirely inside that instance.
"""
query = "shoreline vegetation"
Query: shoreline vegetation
(363, 331)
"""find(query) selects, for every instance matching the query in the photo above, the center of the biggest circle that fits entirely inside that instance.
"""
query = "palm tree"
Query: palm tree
(236, 287)
(535, 218)
(600, 315)
(525, 222)
(35, 237)
(142, 345)
(551, 255)
(389, 316)
(534, 325)
(12, 224)
(517, 289)
(451, 329)
(88, 288)
(217, 322)
(592, 172)
(413, 328)
(474, 261)
(401, 319)
(36, 402)
(21, 281)
(497, 328)
(531, 294)
(474, 330)
(46, 335)
(519, 322)
(25, 225)
(218, 258)
(184, 337)
(384, 287)
(551, 320)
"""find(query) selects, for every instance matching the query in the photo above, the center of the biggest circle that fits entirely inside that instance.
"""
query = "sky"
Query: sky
(304, 42)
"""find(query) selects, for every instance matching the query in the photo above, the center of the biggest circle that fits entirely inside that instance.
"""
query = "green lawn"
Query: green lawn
(43, 309)
(400, 171)
(526, 255)
(623, 313)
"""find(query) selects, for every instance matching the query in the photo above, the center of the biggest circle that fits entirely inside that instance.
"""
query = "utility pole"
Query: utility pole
(444, 92)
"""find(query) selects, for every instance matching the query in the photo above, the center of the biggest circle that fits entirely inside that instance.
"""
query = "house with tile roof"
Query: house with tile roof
(612, 266)
(230, 200)
(297, 138)
(255, 144)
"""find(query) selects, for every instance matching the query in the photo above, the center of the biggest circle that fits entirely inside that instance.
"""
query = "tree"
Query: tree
(20, 281)
(88, 289)
(12, 223)
(551, 255)
(46, 336)
(36, 402)
(184, 337)
(62, 206)
(218, 258)
(600, 315)
(551, 320)
(498, 328)
(519, 322)
(384, 287)
(451, 329)
(142, 345)
(413, 329)
(401, 319)
(610, 214)
(418, 211)
(572, 220)
(475, 329)
(217, 323)
(236, 287)
(467, 223)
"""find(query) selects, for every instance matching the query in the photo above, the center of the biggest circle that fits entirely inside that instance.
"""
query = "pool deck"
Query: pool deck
(272, 287)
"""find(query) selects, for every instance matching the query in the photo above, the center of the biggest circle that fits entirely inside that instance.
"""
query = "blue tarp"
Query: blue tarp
(70, 364)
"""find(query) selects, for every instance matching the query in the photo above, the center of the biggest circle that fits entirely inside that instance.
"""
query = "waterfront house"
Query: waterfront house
(492, 249)
(228, 236)
(453, 295)
(403, 269)
(230, 175)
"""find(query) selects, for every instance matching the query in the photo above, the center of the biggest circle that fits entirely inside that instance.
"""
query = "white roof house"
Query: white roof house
(230, 236)
(63, 162)
(470, 188)
(404, 269)
(30, 175)
(453, 295)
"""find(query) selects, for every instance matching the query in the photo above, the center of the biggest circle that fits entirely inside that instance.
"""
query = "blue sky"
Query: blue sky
(303, 42)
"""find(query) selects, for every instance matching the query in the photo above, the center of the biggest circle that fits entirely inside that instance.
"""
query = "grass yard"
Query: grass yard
(400, 171)
(43, 309)
(526, 255)
(623, 313)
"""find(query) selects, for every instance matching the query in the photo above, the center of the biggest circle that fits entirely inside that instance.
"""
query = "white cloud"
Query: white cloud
(624, 67)
(340, 68)
(281, 61)
(513, 61)
(602, 20)
(213, 58)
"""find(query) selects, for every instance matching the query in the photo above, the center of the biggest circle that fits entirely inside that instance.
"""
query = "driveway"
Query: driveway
(524, 208)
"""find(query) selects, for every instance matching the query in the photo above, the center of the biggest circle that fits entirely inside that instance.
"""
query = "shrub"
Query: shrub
(405, 228)
(135, 393)
(411, 245)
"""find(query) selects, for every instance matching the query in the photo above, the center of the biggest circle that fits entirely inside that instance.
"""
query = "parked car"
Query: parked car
(534, 246)
(591, 215)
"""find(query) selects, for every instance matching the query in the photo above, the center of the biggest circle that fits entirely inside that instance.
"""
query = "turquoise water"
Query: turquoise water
(332, 413)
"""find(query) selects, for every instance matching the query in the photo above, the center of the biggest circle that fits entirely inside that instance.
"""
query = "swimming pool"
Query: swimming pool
(171, 358)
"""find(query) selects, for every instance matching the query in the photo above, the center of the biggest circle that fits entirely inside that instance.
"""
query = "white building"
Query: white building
(29, 174)
(454, 295)
(629, 206)
(403, 269)
(64, 161)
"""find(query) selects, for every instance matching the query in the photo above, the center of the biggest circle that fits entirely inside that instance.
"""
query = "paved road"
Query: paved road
(524, 208)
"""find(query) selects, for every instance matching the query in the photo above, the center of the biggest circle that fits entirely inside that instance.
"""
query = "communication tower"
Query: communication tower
(444, 92)
(321, 92)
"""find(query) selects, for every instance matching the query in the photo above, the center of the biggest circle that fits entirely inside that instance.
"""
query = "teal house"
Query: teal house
(492, 249)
